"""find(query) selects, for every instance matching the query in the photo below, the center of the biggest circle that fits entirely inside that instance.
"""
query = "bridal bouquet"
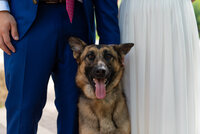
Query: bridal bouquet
(196, 5)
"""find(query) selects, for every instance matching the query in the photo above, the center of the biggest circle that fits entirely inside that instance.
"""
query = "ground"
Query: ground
(3, 91)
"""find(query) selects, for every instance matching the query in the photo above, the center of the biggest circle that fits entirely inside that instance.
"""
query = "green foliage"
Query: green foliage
(97, 36)
(119, 2)
(196, 5)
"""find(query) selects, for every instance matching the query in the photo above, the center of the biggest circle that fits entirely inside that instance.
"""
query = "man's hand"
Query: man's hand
(8, 26)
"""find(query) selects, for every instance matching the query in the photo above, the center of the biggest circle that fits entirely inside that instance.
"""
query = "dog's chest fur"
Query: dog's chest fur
(101, 112)
(103, 107)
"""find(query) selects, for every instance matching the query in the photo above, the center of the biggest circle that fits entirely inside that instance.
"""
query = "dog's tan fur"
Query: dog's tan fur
(101, 116)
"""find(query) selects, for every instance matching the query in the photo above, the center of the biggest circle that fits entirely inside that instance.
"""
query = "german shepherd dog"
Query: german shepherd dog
(102, 105)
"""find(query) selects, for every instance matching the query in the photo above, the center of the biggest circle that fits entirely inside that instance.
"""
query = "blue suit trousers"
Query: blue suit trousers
(42, 52)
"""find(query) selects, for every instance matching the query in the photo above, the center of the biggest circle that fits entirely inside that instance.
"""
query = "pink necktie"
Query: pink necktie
(70, 9)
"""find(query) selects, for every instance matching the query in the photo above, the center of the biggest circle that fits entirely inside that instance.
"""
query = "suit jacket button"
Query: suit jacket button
(35, 1)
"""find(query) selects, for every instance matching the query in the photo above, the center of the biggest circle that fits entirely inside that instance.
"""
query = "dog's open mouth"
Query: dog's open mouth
(100, 87)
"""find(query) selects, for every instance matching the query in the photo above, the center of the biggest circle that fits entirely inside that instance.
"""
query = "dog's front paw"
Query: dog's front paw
(119, 131)
(107, 127)
(111, 132)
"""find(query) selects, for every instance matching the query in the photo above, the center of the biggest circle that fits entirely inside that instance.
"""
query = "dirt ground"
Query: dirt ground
(3, 91)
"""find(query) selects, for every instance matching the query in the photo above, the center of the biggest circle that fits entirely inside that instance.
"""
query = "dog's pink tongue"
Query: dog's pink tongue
(100, 89)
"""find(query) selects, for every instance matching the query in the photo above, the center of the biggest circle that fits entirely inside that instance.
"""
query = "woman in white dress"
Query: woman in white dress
(162, 77)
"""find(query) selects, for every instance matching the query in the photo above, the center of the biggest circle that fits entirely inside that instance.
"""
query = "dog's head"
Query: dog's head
(100, 67)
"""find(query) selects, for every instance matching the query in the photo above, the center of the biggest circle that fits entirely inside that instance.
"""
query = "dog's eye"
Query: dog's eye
(108, 57)
(91, 57)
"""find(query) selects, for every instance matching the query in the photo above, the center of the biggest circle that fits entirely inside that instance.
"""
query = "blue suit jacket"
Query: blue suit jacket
(106, 12)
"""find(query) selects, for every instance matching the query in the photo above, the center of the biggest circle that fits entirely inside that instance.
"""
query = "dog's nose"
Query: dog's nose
(100, 72)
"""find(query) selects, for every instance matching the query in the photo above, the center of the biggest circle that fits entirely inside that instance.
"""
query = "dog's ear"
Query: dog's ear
(77, 46)
(123, 49)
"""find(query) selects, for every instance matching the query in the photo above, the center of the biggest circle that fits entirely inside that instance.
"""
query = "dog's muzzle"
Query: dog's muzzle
(100, 72)
(99, 75)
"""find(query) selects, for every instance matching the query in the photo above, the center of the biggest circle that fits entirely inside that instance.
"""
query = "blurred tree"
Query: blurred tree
(196, 5)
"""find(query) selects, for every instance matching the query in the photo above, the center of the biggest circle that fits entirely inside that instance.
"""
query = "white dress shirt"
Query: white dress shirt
(4, 6)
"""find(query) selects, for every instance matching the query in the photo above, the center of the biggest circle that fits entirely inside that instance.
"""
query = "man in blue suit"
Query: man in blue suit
(41, 49)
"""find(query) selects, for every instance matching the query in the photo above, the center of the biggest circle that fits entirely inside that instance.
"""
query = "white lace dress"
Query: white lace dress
(162, 77)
